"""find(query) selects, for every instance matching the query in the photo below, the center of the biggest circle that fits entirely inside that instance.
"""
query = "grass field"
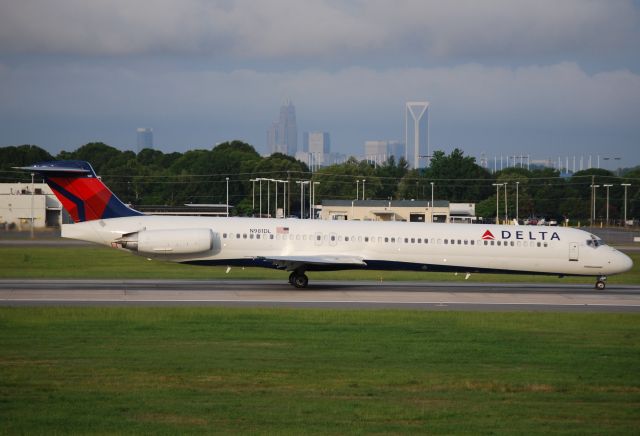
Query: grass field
(101, 262)
(221, 370)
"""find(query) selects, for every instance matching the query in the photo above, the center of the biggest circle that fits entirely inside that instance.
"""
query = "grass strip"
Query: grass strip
(281, 371)
(105, 263)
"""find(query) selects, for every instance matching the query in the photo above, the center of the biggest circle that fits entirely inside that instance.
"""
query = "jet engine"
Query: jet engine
(173, 241)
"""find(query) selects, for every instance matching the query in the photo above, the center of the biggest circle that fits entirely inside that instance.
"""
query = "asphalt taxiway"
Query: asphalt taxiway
(323, 294)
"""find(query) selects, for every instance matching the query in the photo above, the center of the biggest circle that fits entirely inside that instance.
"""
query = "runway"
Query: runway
(323, 294)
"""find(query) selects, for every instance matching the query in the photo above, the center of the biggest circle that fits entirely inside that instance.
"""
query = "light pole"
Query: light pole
(33, 186)
(363, 180)
(506, 214)
(253, 196)
(432, 209)
(268, 197)
(302, 183)
(227, 197)
(593, 206)
(284, 195)
(607, 186)
(517, 203)
(357, 189)
(313, 188)
(276, 208)
(626, 185)
(497, 185)
(260, 195)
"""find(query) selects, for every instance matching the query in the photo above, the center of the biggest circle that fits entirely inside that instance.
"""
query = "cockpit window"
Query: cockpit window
(594, 242)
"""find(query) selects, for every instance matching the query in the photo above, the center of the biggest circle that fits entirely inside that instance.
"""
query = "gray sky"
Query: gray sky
(547, 78)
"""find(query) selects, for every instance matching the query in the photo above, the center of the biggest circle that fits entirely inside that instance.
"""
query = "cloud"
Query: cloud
(282, 29)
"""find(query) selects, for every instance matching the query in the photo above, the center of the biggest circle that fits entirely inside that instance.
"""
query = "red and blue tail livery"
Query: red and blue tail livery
(80, 191)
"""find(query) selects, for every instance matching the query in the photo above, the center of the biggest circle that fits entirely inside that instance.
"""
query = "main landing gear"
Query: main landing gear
(601, 283)
(298, 279)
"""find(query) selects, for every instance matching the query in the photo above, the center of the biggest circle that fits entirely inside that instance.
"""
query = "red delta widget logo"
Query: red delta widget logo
(537, 235)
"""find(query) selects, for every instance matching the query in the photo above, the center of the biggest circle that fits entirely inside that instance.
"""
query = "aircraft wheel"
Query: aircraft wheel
(600, 285)
(292, 277)
(300, 281)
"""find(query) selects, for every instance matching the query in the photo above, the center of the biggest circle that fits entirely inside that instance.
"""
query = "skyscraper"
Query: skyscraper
(416, 133)
(317, 150)
(145, 138)
(282, 136)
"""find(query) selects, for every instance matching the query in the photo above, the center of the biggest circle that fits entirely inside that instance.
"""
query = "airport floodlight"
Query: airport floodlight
(626, 185)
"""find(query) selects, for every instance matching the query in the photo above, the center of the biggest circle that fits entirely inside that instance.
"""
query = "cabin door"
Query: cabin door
(573, 251)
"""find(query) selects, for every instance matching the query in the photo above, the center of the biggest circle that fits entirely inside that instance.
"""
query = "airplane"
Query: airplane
(298, 246)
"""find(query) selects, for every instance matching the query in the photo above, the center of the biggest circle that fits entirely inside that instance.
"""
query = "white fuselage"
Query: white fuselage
(383, 245)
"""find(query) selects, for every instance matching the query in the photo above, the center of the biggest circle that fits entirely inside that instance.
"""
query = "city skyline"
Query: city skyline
(505, 76)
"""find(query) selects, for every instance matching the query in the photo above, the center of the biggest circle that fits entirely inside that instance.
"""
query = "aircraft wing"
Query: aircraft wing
(292, 262)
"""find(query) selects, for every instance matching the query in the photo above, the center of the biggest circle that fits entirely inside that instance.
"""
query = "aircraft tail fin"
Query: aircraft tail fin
(80, 191)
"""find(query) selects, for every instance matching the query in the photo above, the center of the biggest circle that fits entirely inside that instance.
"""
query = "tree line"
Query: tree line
(152, 177)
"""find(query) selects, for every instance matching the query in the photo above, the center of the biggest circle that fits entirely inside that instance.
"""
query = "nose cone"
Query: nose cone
(621, 263)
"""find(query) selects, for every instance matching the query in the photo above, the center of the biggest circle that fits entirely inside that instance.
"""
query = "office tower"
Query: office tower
(396, 149)
(282, 136)
(376, 151)
(319, 142)
(317, 149)
(145, 138)
(416, 133)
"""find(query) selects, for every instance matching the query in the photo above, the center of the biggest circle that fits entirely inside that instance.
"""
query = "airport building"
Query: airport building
(20, 202)
(398, 210)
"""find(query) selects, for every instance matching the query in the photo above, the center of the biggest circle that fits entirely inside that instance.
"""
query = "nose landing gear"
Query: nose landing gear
(601, 283)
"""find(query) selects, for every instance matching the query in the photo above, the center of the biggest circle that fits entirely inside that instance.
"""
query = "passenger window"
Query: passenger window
(546, 245)
(499, 243)
(439, 241)
(446, 241)
(493, 243)
(237, 235)
(406, 240)
(319, 238)
(258, 236)
(251, 236)
(419, 240)
(244, 236)
(413, 240)
(346, 239)
(270, 236)
(386, 239)
(539, 244)
(519, 243)
(486, 242)
(466, 242)
(512, 243)
(392, 240)
(224, 235)
(459, 242)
